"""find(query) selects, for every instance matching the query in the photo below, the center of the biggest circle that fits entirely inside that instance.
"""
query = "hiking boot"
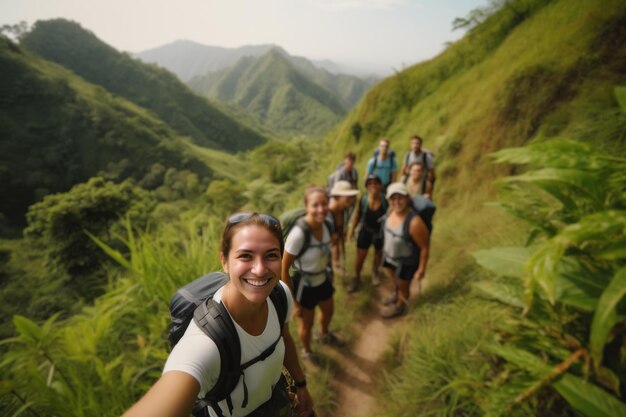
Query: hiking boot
(376, 278)
(390, 299)
(353, 286)
(392, 311)
(330, 339)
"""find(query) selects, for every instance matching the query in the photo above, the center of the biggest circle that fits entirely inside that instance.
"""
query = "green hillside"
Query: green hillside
(59, 130)
(68, 44)
(276, 91)
(475, 342)
(522, 311)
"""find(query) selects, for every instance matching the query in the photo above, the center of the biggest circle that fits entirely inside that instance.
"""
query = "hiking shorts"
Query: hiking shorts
(403, 272)
(309, 297)
(368, 237)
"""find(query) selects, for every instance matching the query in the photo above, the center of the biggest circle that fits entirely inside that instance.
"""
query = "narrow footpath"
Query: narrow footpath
(356, 380)
(361, 370)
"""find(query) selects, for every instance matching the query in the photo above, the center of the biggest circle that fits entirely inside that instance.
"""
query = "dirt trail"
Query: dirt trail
(361, 369)
(356, 384)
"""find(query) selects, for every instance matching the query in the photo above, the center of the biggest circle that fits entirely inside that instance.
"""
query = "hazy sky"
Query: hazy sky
(381, 34)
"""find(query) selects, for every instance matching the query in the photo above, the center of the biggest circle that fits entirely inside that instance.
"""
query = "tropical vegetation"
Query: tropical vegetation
(523, 311)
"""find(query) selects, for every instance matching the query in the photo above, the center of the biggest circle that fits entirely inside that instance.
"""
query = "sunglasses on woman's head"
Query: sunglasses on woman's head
(241, 217)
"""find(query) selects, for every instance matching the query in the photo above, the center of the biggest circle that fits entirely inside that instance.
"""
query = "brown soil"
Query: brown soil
(361, 370)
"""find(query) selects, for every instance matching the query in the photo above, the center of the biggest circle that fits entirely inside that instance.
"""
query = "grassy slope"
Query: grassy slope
(508, 82)
(274, 90)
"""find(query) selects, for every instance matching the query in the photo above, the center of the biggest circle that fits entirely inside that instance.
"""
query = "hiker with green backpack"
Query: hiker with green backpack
(407, 230)
(308, 251)
(366, 224)
(237, 340)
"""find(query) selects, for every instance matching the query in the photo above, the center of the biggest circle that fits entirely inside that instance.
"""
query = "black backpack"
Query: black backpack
(195, 301)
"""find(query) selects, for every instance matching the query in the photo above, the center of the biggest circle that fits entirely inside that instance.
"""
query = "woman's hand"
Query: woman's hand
(305, 403)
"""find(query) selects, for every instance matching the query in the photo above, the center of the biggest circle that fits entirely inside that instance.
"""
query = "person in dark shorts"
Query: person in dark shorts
(367, 219)
(406, 247)
(311, 282)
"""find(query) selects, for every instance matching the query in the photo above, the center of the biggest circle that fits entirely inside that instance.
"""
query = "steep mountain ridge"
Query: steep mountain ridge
(276, 91)
(189, 59)
(79, 50)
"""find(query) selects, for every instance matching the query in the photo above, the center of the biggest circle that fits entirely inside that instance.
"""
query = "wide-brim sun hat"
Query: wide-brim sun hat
(372, 177)
(397, 188)
(343, 188)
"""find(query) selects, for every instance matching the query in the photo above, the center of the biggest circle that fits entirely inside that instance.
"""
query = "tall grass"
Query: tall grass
(100, 361)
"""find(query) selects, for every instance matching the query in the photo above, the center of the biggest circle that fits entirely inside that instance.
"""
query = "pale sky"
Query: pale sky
(376, 34)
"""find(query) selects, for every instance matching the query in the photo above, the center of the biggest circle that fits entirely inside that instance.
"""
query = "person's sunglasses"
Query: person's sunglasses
(241, 217)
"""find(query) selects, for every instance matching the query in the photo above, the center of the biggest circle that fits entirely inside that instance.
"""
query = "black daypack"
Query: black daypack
(195, 301)
(423, 207)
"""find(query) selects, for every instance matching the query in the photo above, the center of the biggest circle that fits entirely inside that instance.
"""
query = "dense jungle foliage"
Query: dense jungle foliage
(523, 310)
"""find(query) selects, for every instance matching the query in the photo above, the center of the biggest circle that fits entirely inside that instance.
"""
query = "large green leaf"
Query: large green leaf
(577, 286)
(506, 293)
(589, 399)
(585, 397)
(29, 330)
(504, 260)
(606, 315)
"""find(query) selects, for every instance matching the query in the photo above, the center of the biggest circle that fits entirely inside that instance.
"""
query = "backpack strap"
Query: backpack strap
(424, 172)
(217, 324)
(301, 223)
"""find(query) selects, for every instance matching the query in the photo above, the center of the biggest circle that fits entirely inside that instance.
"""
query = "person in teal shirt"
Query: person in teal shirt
(383, 163)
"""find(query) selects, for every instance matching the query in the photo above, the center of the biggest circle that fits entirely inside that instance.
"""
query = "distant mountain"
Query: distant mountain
(58, 130)
(79, 50)
(275, 90)
(188, 59)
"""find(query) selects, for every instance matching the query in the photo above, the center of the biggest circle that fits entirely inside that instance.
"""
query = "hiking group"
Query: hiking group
(230, 330)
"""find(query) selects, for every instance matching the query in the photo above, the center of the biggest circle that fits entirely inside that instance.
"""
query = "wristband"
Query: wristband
(300, 384)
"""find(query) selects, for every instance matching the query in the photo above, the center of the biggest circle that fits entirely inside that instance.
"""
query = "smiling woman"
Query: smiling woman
(251, 257)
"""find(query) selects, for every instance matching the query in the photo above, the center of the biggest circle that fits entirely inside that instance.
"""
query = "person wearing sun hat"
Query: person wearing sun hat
(342, 199)
(406, 248)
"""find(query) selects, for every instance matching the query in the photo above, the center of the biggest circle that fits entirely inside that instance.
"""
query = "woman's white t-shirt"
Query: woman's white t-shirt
(196, 354)
(315, 259)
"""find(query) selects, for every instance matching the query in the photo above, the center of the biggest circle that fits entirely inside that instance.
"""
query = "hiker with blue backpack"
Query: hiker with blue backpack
(406, 248)
(308, 251)
(230, 356)
(383, 163)
(366, 224)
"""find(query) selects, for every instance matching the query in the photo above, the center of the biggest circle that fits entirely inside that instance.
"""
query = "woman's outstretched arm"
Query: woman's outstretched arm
(173, 395)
